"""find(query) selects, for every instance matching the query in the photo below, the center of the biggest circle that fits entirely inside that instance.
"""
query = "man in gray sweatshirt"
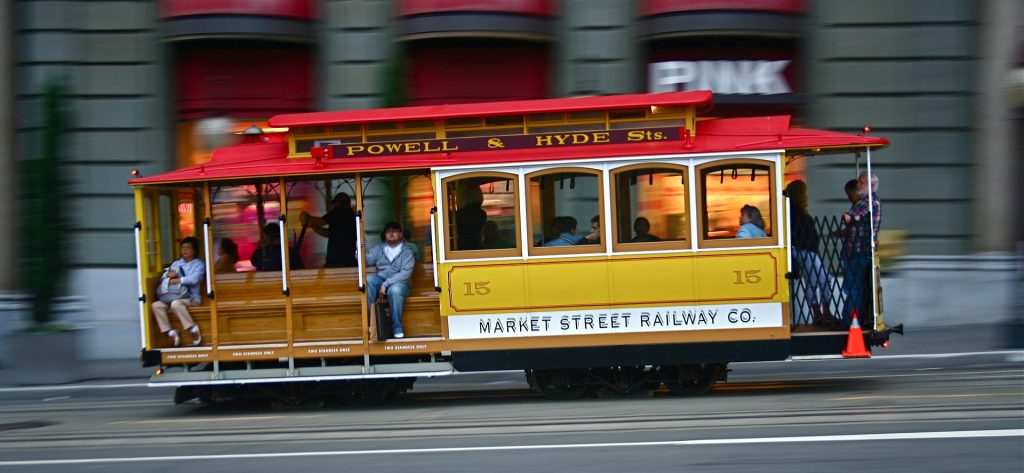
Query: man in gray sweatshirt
(394, 261)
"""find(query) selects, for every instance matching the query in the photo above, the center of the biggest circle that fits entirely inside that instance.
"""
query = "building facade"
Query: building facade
(154, 85)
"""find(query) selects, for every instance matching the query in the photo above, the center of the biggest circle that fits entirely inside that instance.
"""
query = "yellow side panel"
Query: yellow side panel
(741, 277)
(562, 284)
(638, 281)
(652, 280)
(497, 287)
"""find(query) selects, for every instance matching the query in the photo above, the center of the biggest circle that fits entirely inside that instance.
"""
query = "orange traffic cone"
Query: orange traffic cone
(855, 341)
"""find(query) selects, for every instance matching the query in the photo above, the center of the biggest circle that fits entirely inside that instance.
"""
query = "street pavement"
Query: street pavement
(992, 339)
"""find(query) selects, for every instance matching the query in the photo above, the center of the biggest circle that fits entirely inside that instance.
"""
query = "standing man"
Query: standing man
(340, 221)
(394, 261)
(857, 246)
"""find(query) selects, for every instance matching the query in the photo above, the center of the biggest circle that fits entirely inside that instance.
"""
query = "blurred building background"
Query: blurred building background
(154, 85)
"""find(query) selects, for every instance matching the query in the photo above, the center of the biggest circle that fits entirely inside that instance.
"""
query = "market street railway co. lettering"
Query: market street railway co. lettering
(485, 143)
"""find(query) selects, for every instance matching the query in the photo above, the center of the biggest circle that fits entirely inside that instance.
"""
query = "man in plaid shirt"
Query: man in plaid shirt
(857, 244)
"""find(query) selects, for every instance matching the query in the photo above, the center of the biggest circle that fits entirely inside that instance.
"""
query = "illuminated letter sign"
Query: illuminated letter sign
(721, 77)
(490, 143)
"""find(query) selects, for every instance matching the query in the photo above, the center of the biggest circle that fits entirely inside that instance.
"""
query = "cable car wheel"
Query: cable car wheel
(559, 385)
(690, 380)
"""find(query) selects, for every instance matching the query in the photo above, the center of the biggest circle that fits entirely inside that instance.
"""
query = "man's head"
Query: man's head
(851, 191)
(862, 184)
(641, 226)
(595, 224)
(341, 201)
(393, 233)
(272, 233)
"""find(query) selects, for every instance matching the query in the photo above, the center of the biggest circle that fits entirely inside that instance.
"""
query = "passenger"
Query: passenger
(470, 218)
(805, 249)
(267, 257)
(565, 228)
(340, 221)
(493, 239)
(857, 244)
(187, 271)
(642, 229)
(228, 257)
(595, 230)
(751, 223)
(394, 261)
(851, 191)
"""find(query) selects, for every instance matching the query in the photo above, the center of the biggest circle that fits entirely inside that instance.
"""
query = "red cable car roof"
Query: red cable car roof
(701, 99)
(266, 160)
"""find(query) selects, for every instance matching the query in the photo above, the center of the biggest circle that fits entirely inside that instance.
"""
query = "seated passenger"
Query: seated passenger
(565, 228)
(492, 239)
(186, 271)
(751, 223)
(267, 257)
(642, 228)
(595, 230)
(228, 257)
(394, 261)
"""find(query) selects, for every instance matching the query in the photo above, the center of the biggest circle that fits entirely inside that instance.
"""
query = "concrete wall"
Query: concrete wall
(598, 51)
(907, 69)
(356, 44)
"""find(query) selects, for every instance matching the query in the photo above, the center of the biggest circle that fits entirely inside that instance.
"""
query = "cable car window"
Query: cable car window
(650, 206)
(562, 204)
(481, 216)
(737, 203)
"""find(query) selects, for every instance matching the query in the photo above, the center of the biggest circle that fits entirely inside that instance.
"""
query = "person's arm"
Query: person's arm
(744, 232)
(374, 254)
(194, 271)
(406, 261)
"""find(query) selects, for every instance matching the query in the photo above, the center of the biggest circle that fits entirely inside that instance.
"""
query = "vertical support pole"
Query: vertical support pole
(285, 268)
(433, 246)
(211, 281)
(364, 316)
(142, 289)
(877, 322)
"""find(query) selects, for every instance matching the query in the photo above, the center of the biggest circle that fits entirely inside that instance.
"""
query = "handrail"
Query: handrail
(873, 243)
(789, 234)
(142, 291)
(433, 246)
(359, 249)
(284, 250)
(209, 256)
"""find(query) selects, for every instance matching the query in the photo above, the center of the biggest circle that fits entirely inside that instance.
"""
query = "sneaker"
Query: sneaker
(196, 336)
(399, 334)
(175, 339)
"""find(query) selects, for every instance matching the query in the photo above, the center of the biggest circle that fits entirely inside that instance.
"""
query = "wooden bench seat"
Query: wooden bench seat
(326, 305)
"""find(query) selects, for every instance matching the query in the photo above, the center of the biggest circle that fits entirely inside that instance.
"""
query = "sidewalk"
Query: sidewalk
(929, 340)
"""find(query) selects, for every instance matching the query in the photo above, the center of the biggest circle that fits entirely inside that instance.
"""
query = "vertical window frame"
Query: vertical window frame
(532, 250)
(452, 254)
(701, 201)
(626, 247)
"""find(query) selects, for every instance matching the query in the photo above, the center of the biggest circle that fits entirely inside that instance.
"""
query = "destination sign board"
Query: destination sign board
(503, 142)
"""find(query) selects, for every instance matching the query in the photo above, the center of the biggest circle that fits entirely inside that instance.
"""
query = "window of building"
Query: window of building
(562, 203)
(481, 215)
(729, 190)
(651, 209)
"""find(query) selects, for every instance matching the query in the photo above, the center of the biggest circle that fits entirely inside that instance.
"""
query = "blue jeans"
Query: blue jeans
(396, 298)
(856, 289)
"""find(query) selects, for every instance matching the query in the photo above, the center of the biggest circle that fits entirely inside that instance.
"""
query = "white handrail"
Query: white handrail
(138, 275)
(433, 244)
(209, 256)
(871, 214)
(359, 249)
(284, 250)
(789, 236)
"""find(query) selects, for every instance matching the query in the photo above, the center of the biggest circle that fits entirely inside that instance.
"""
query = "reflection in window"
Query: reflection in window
(727, 190)
(651, 205)
(239, 214)
(562, 205)
(481, 213)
